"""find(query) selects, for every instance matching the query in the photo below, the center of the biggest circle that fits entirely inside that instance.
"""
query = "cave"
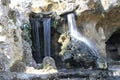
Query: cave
(60, 40)
(38, 35)
(113, 47)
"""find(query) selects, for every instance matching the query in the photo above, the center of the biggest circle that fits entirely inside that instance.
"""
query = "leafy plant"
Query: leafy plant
(26, 32)
(54, 23)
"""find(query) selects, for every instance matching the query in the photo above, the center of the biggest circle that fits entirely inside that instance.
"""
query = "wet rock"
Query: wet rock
(77, 52)
(2, 67)
(27, 58)
(101, 64)
(5, 75)
(12, 51)
(18, 66)
(48, 63)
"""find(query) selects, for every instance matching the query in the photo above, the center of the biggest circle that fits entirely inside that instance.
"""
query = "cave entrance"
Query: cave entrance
(44, 36)
(37, 37)
(40, 35)
(113, 47)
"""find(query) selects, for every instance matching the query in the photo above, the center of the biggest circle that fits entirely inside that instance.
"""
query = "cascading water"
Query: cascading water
(46, 25)
(77, 35)
(36, 39)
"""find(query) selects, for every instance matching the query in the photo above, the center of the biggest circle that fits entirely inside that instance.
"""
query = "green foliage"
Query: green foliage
(54, 23)
(26, 29)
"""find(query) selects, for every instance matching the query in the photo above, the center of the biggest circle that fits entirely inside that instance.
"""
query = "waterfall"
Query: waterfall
(46, 25)
(76, 34)
(36, 39)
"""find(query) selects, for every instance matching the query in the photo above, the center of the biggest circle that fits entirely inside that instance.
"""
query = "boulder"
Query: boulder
(48, 63)
(75, 51)
(18, 66)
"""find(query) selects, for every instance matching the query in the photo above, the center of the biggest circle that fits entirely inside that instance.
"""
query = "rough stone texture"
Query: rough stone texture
(91, 13)
(48, 63)
(99, 28)
(79, 54)
(27, 56)
(10, 44)
(18, 66)
(61, 6)
(97, 19)
(71, 74)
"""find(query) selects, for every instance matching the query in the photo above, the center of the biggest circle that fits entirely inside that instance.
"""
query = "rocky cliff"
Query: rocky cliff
(96, 19)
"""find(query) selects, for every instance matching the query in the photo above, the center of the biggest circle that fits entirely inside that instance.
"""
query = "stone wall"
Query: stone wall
(96, 19)
(10, 35)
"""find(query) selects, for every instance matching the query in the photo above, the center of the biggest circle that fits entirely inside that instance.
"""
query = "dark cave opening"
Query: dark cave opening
(37, 38)
(113, 46)
(38, 53)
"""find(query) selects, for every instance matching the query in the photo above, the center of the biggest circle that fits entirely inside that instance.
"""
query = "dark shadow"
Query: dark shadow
(113, 46)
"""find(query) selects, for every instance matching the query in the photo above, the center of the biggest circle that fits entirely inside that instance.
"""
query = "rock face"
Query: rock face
(18, 66)
(11, 42)
(27, 55)
(99, 28)
(77, 53)
(96, 19)
(48, 63)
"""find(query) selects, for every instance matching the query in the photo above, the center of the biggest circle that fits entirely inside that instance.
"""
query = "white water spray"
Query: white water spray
(76, 34)
(73, 29)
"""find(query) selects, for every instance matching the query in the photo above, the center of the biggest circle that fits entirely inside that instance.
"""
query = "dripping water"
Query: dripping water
(76, 34)
(46, 25)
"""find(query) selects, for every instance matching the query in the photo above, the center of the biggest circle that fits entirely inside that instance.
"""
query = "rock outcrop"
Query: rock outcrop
(96, 19)
(11, 41)
(79, 54)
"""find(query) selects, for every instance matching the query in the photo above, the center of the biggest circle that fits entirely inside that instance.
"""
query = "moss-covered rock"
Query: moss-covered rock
(78, 52)
(18, 66)
(48, 63)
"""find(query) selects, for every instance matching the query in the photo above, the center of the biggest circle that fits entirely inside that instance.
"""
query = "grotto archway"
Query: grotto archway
(113, 46)
(39, 36)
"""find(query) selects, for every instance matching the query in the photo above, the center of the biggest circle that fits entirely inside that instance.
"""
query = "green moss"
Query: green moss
(54, 23)
(18, 66)
(26, 32)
